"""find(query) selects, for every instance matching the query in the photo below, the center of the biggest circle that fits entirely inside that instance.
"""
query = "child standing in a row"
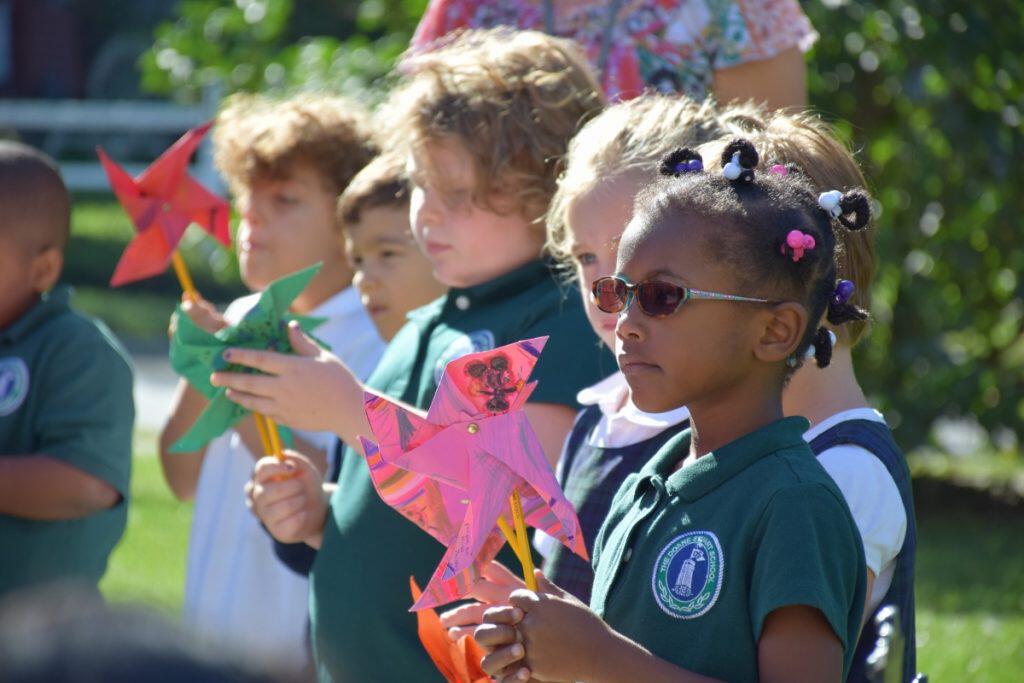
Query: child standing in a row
(66, 409)
(611, 159)
(733, 521)
(850, 439)
(392, 275)
(286, 162)
(483, 121)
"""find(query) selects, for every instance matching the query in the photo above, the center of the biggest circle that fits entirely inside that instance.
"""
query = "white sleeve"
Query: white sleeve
(874, 500)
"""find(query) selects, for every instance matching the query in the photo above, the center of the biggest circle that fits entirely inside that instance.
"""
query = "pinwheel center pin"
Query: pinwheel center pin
(473, 428)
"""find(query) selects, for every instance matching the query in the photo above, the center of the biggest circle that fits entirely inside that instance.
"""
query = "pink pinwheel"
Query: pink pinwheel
(162, 201)
(454, 472)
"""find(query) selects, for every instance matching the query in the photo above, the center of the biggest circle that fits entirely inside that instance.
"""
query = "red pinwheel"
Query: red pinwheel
(162, 201)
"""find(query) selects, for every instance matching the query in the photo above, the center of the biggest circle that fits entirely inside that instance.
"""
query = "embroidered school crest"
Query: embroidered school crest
(13, 384)
(474, 342)
(687, 575)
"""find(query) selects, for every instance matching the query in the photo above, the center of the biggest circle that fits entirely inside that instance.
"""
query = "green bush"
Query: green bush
(931, 94)
(263, 45)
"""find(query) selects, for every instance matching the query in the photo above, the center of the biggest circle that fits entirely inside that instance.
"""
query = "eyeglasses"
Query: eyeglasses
(657, 299)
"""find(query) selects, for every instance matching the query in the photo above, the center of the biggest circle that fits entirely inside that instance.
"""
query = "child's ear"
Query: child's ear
(46, 267)
(782, 333)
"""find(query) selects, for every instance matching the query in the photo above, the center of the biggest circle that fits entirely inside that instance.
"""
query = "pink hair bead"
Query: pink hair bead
(798, 242)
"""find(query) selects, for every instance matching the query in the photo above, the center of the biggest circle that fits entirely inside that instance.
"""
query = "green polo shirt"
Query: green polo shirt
(690, 562)
(65, 392)
(359, 584)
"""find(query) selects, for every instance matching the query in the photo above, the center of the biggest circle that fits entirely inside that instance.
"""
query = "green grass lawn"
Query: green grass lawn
(970, 595)
(970, 580)
(149, 565)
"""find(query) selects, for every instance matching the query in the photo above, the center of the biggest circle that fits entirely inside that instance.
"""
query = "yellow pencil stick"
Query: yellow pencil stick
(510, 536)
(184, 278)
(261, 427)
(525, 558)
(275, 440)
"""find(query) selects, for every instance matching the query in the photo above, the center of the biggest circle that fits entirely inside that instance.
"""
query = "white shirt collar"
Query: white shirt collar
(625, 425)
(831, 421)
(340, 305)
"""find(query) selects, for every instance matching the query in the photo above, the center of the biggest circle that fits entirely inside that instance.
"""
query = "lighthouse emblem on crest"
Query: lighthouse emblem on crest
(687, 576)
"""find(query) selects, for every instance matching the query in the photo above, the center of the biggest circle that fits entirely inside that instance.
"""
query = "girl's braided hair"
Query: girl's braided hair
(775, 231)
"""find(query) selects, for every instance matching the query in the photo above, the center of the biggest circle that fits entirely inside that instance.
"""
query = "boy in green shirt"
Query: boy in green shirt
(481, 122)
(66, 407)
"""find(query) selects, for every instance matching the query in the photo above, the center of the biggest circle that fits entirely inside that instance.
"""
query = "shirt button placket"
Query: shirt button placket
(648, 504)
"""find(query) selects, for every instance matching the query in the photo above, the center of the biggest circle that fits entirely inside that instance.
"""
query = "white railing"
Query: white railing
(123, 116)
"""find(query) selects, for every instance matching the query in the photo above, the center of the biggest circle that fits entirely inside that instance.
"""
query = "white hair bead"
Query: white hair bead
(733, 169)
(830, 202)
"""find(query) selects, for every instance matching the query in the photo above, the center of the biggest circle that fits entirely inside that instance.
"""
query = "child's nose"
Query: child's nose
(252, 214)
(365, 280)
(431, 209)
(629, 326)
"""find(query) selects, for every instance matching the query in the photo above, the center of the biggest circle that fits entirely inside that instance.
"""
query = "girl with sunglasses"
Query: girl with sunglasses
(731, 555)
(609, 161)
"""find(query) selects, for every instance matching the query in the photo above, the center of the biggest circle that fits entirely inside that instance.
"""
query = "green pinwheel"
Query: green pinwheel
(196, 354)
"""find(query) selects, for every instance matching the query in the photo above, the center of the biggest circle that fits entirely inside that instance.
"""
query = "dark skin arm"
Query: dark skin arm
(40, 487)
(554, 637)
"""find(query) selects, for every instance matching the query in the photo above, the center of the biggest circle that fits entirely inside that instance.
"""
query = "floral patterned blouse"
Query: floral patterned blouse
(669, 45)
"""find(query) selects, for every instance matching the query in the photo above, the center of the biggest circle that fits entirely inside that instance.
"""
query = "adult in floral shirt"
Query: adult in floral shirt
(734, 49)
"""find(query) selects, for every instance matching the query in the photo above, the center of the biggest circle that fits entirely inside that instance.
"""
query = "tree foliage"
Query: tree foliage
(932, 93)
(278, 46)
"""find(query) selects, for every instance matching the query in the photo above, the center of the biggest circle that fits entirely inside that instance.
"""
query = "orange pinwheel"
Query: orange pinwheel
(458, 662)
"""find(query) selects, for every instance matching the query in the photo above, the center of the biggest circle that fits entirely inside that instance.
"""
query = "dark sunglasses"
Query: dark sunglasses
(656, 298)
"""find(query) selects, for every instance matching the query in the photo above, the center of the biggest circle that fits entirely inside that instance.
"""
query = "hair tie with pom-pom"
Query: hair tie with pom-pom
(852, 209)
(844, 290)
(819, 335)
(797, 243)
(840, 310)
(681, 161)
(830, 201)
(732, 170)
(824, 342)
(855, 210)
(738, 160)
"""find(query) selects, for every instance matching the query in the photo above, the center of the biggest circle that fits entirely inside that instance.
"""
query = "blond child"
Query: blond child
(482, 122)
(286, 162)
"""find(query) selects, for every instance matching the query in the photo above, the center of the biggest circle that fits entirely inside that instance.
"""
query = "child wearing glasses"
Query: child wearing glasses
(609, 161)
(851, 440)
(481, 123)
(731, 555)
